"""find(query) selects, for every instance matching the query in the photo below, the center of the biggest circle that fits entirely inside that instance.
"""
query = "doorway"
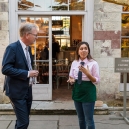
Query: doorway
(67, 31)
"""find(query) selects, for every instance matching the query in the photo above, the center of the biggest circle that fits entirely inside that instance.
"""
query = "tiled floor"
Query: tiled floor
(62, 93)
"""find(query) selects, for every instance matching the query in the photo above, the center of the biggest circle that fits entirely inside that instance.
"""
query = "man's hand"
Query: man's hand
(33, 73)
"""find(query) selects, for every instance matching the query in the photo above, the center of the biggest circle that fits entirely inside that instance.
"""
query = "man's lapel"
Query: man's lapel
(22, 53)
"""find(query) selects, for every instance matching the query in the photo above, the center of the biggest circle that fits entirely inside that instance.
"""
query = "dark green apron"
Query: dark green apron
(84, 92)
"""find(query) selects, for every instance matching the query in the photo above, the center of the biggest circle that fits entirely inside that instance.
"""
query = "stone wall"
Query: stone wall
(107, 30)
(4, 38)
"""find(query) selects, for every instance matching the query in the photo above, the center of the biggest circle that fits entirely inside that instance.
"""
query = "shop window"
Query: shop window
(125, 36)
(51, 5)
(125, 8)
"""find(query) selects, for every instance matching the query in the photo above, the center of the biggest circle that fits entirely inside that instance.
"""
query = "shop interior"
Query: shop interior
(67, 31)
(125, 38)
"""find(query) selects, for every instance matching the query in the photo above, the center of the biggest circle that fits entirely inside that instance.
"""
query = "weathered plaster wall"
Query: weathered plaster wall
(107, 28)
(4, 38)
(107, 31)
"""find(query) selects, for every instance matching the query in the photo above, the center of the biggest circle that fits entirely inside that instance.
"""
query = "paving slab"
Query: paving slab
(111, 126)
(68, 127)
(7, 117)
(38, 125)
(63, 122)
(68, 120)
(44, 117)
(4, 124)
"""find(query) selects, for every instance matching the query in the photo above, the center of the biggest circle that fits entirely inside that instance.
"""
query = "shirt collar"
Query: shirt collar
(23, 45)
(85, 60)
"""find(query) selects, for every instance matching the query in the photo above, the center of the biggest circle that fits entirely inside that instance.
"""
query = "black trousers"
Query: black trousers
(22, 109)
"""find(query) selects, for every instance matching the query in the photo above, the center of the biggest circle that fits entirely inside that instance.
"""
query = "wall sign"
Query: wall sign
(122, 65)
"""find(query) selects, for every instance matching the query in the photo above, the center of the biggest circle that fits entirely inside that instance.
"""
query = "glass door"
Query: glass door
(41, 51)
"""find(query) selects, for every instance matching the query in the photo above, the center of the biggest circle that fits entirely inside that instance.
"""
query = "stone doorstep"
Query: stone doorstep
(54, 108)
(55, 112)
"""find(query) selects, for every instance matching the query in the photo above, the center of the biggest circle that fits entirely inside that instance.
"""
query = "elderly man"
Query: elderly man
(17, 66)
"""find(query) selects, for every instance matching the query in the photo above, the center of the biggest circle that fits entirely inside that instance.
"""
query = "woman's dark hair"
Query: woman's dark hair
(89, 57)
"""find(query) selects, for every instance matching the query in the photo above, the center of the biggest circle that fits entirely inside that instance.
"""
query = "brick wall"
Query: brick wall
(4, 39)
(107, 29)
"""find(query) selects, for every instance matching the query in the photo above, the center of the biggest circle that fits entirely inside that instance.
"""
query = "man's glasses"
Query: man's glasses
(34, 34)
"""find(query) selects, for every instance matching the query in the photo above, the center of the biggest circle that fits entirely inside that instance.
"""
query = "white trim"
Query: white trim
(121, 87)
(89, 32)
(50, 58)
(87, 26)
(12, 22)
(62, 13)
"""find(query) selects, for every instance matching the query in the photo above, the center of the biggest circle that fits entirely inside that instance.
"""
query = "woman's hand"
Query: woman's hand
(84, 70)
(71, 80)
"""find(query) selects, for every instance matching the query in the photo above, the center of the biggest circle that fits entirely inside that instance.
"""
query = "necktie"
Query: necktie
(29, 63)
(80, 75)
(28, 58)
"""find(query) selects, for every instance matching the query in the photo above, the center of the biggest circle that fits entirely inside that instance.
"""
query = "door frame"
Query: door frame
(42, 91)
(87, 24)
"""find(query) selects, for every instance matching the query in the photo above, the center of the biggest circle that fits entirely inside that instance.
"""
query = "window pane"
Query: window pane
(125, 25)
(43, 68)
(43, 24)
(27, 19)
(125, 8)
(76, 4)
(59, 4)
(50, 5)
(35, 5)
(42, 5)
(25, 4)
(125, 52)
(42, 49)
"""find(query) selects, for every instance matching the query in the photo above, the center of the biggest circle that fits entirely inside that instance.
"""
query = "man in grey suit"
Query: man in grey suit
(17, 66)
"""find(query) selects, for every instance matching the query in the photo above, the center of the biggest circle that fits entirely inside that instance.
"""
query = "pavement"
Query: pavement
(62, 122)
(62, 115)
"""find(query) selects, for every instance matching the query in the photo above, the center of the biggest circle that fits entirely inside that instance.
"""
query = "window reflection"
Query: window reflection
(51, 5)
(77, 5)
(42, 5)
(25, 4)
(59, 4)
(125, 38)
(125, 25)
(36, 5)
(40, 49)
(43, 24)
(125, 8)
